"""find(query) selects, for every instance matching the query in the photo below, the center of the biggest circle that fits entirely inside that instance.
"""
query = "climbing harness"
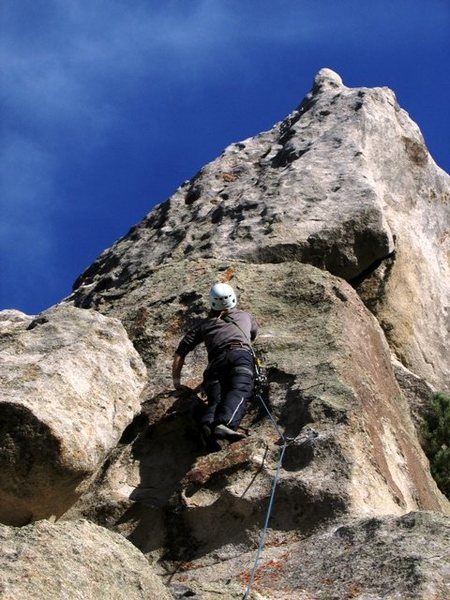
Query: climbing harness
(260, 375)
(260, 385)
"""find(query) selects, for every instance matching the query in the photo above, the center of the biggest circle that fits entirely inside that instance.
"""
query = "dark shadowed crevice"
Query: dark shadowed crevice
(343, 251)
(101, 266)
(295, 413)
(135, 428)
(371, 284)
(367, 273)
(193, 194)
(287, 155)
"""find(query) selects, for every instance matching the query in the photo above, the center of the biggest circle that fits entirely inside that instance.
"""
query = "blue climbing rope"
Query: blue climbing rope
(279, 464)
(272, 496)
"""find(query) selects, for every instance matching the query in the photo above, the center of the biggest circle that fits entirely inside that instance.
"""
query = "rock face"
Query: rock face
(417, 392)
(354, 452)
(333, 228)
(387, 558)
(344, 183)
(71, 382)
(73, 561)
(334, 208)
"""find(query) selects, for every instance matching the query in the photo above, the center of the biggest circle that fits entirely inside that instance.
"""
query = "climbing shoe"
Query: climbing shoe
(222, 431)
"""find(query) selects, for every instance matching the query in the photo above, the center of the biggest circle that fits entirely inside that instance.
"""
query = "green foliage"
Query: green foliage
(437, 440)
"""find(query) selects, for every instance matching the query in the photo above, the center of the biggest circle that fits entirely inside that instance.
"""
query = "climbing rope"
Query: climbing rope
(262, 379)
(272, 496)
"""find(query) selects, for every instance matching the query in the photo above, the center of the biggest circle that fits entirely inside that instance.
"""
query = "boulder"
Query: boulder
(344, 183)
(71, 382)
(74, 561)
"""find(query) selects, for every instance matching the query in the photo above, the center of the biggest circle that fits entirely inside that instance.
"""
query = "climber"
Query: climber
(227, 333)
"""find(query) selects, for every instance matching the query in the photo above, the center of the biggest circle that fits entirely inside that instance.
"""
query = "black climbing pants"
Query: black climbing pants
(228, 382)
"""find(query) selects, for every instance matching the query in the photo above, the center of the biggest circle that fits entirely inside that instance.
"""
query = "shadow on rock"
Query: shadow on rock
(34, 482)
(167, 443)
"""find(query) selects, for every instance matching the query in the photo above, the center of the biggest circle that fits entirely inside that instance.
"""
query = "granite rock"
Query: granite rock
(333, 229)
(382, 558)
(71, 382)
(344, 183)
(353, 450)
(74, 561)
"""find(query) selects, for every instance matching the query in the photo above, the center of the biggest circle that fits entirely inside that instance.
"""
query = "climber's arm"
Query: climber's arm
(192, 338)
(177, 366)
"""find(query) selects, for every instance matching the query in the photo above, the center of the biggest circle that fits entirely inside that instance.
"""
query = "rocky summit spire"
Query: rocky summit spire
(344, 183)
(326, 79)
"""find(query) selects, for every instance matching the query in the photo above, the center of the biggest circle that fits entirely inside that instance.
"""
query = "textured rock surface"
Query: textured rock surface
(386, 558)
(417, 392)
(344, 183)
(332, 389)
(13, 319)
(74, 561)
(71, 382)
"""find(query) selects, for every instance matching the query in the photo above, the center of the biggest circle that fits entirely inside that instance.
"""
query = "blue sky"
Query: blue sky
(108, 105)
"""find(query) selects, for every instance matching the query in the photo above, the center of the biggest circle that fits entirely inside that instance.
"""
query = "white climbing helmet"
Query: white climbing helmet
(222, 297)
